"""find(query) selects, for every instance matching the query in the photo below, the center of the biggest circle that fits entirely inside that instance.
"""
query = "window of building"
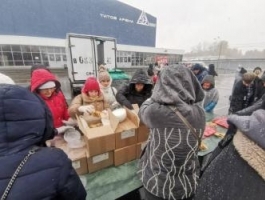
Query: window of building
(58, 57)
(18, 58)
(35, 49)
(64, 58)
(36, 57)
(57, 50)
(43, 49)
(25, 48)
(50, 49)
(44, 57)
(51, 57)
(16, 48)
(6, 48)
(8, 58)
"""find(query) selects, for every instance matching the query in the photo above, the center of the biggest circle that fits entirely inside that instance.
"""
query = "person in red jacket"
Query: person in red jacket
(45, 84)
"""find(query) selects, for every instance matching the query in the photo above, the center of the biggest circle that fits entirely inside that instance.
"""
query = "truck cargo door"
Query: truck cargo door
(106, 51)
(82, 58)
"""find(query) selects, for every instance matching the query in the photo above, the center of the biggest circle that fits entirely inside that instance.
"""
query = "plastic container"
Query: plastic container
(119, 78)
(120, 113)
(73, 139)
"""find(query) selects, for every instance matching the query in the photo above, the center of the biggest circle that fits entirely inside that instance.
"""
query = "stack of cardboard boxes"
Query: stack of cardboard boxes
(107, 145)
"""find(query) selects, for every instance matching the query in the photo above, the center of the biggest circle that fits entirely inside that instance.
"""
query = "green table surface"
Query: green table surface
(212, 141)
(112, 182)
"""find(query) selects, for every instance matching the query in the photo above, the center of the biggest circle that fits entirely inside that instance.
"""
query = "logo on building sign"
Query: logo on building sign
(143, 20)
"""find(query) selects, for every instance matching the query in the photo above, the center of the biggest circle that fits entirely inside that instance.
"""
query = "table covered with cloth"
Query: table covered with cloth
(112, 182)
(212, 141)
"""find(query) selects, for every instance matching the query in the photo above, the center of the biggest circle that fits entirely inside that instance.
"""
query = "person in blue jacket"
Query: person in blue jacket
(211, 94)
(199, 71)
(46, 173)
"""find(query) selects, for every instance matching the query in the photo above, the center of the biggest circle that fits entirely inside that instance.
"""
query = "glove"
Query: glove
(70, 122)
(62, 129)
(86, 109)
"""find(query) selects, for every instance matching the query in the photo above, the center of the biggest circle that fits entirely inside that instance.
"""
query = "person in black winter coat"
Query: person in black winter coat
(211, 70)
(150, 70)
(48, 173)
(245, 93)
(238, 171)
(136, 92)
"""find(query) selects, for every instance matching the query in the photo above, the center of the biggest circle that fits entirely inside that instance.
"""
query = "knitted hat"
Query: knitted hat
(197, 66)
(91, 84)
(103, 74)
(6, 79)
(49, 84)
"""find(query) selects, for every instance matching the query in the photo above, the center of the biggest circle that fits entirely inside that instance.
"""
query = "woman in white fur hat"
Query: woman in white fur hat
(108, 91)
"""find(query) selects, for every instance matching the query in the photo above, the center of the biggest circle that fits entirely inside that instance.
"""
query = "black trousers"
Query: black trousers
(150, 196)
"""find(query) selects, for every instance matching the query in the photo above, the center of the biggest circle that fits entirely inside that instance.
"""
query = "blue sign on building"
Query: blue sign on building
(56, 18)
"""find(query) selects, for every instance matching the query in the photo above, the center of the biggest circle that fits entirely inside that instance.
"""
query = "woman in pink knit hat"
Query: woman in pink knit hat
(89, 101)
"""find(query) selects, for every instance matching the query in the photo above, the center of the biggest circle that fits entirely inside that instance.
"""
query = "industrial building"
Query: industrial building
(34, 31)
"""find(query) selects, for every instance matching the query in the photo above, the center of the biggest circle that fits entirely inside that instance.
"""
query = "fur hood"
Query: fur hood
(251, 126)
(250, 140)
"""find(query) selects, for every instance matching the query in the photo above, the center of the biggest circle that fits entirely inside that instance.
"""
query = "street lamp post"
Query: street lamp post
(220, 45)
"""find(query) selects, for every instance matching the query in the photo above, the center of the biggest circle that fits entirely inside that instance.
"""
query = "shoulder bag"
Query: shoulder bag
(14, 176)
(187, 124)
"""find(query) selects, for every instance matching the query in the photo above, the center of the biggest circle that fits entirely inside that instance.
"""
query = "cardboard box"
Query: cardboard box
(142, 133)
(139, 149)
(125, 134)
(101, 161)
(77, 156)
(99, 139)
(124, 155)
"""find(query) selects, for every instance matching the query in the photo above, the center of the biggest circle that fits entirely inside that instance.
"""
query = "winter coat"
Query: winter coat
(249, 110)
(238, 98)
(109, 93)
(238, 171)
(169, 166)
(56, 102)
(127, 95)
(84, 99)
(48, 174)
(238, 77)
(212, 71)
(211, 95)
(202, 72)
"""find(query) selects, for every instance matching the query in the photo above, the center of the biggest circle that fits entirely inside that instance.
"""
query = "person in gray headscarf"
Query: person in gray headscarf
(238, 171)
(169, 165)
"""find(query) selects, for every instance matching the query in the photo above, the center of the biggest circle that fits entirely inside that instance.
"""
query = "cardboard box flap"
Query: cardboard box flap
(136, 108)
(133, 117)
(114, 122)
(132, 121)
(125, 125)
(100, 131)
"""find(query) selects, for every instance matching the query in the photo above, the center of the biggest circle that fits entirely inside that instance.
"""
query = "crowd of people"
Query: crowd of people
(173, 101)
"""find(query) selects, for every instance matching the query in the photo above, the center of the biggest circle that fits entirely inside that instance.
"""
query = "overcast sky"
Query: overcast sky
(183, 24)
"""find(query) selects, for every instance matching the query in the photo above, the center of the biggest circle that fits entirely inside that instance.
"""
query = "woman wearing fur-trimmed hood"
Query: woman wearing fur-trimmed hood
(238, 171)
(169, 165)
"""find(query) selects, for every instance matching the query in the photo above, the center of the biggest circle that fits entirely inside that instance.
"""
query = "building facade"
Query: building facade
(35, 31)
